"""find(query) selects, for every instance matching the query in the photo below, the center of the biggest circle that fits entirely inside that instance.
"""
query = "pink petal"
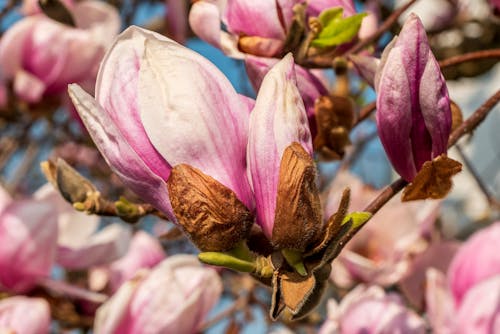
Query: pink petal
(144, 252)
(278, 119)
(438, 302)
(125, 162)
(478, 259)
(256, 18)
(14, 319)
(28, 234)
(28, 87)
(185, 96)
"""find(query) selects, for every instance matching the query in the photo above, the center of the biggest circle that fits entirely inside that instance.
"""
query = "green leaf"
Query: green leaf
(329, 15)
(226, 260)
(358, 218)
(338, 30)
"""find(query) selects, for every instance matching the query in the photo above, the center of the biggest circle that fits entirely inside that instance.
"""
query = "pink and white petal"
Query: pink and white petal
(175, 297)
(99, 19)
(28, 235)
(205, 21)
(117, 93)
(110, 315)
(439, 302)
(28, 87)
(394, 128)
(100, 248)
(479, 311)
(256, 18)
(12, 45)
(366, 66)
(145, 251)
(13, 319)
(119, 155)
(184, 95)
(435, 105)
(278, 119)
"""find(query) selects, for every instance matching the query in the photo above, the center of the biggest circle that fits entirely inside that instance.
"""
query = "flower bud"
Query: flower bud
(413, 106)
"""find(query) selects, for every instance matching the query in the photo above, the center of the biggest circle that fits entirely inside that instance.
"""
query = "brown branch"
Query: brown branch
(383, 28)
(484, 54)
(365, 112)
(475, 119)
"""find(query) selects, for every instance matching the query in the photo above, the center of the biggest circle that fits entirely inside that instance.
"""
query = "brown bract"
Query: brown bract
(334, 119)
(298, 293)
(298, 217)
(210, 213)
(433, 181)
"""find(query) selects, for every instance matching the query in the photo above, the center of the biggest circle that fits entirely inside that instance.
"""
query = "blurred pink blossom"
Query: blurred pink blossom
(381, 252)
(145, 251)
(23, 315)
(28, 234)
(478, 311)
(369, 310)
(478, 259)
(80, 242)
(174, 297)
(43, 56)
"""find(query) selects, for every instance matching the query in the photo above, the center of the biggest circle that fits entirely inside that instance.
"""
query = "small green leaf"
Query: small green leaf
(338, 31)
(226, 260)
(329, 15)
(294, 259)
(358, 218)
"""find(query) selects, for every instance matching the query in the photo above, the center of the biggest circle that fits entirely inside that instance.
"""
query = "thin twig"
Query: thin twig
(365, 112)
(484, 54)
(383, 28)
(475, 119)
(487, 193)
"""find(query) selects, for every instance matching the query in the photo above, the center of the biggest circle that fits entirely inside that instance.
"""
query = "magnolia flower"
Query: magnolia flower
(28, 234)
(259, 28)
(144, 73)
(370, 310)
(145, 251)
(382, 251)
(477, 260)
(174, 297)
(43, 56)
(207, 127)
(14, 319)
(413, 107)
(80, 242)
(477, 312)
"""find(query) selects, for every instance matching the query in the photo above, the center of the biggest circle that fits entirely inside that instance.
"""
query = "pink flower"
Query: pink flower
(145, 251)
(43, 56)
(28, 234)
(174, 297)
(478, 312)
(278, 120)
(24, 315)
(477, 260)
(413, 106)
(200, 113)
(80, 242)
(369, 310)
(259, 28)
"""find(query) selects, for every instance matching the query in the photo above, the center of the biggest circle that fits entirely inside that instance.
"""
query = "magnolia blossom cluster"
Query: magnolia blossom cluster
(239, 176)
